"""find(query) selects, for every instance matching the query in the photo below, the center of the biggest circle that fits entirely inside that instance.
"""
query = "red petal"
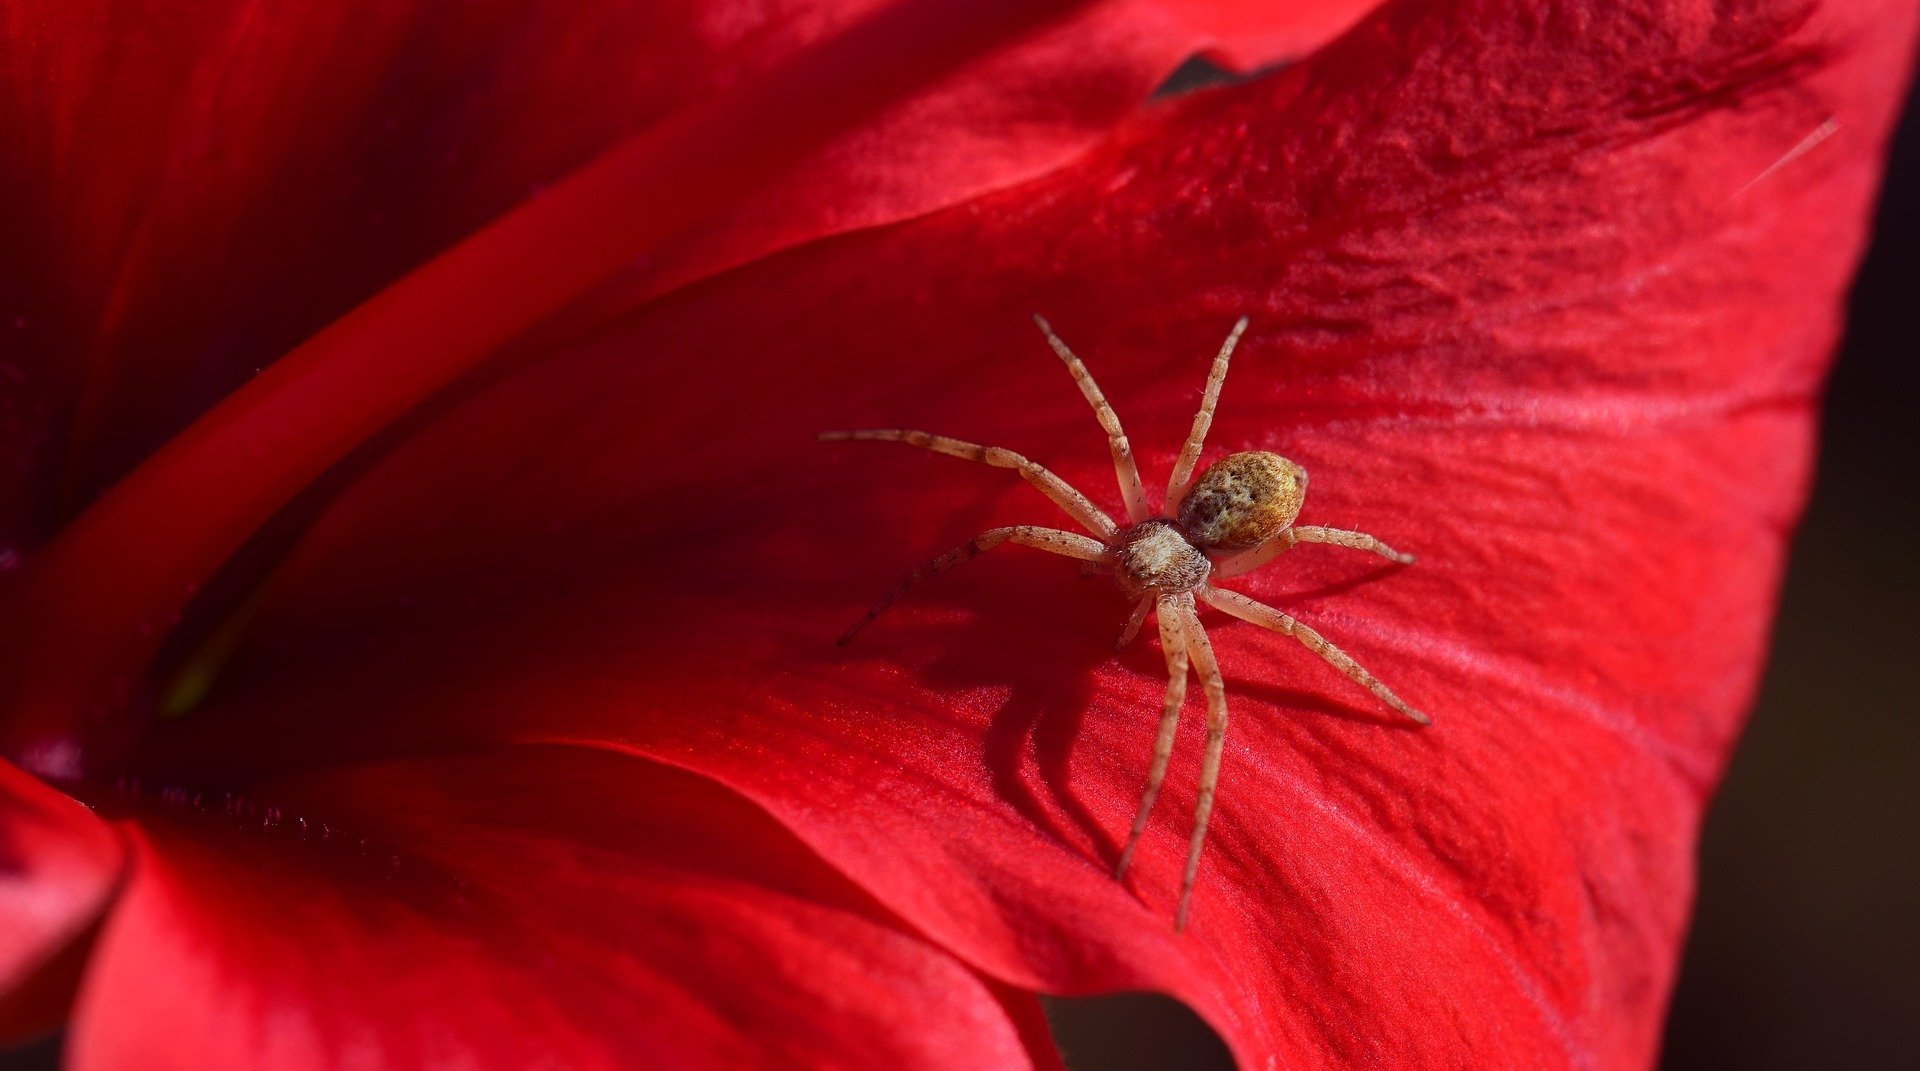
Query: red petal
(58, 867)
(533, 907)
(221, 184)
(191, 192)
(1533, 300)
(961, 101)
(1529, 297)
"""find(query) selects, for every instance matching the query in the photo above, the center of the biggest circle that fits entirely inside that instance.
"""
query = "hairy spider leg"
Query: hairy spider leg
(1249, 560)
(1060, 491)
(1124, 467)
(1070, 544)
(1208, 670)
(1173, 644)
(1134, 621)
(1182, 478)
(1265, 616)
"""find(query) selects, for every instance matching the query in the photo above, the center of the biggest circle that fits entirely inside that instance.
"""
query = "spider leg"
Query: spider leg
(1173, 644)
(1265, 616)
(1060, 491)
(1249, 560)
(1134, 621)
(1254, 557)
(1182, 478)
(1124, 466)
(1208, 669)
(1070, 544)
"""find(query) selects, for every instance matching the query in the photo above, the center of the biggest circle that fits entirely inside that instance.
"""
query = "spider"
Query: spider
(1235, 517)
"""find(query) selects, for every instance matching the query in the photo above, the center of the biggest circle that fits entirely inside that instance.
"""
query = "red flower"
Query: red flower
(461, 689)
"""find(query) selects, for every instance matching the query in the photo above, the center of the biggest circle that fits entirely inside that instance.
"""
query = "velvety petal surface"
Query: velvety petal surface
(530, 907)
(1541, 294)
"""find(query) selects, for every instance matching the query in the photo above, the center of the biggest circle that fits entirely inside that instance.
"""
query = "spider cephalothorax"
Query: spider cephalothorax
(1235, 517)
(1156, 556)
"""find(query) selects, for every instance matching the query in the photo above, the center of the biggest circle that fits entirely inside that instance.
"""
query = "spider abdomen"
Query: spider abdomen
(1243, 500)
(1155, 556)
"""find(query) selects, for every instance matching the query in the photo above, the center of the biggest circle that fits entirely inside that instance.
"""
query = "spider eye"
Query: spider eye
(1243, 499)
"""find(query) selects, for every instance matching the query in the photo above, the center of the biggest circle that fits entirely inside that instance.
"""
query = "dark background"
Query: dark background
(1805, 951)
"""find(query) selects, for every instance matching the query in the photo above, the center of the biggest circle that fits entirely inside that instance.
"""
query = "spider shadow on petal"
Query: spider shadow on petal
(1044, 659)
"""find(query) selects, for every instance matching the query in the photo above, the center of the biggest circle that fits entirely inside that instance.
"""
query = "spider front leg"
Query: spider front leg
(1125, 469)
(1063, 494)
(1248, 561)
(1173, 644)
(1182, 478)
(1265, 616)
(1070, 544)
(1208, 670)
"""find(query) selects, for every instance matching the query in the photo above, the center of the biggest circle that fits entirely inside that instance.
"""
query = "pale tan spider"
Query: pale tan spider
(1237, 516)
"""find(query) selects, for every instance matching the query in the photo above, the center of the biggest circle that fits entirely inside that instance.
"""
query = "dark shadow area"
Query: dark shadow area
(1195, 74)
(1805, 942)
(41, 1055)
(1031, 737)
(1128, 1031)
